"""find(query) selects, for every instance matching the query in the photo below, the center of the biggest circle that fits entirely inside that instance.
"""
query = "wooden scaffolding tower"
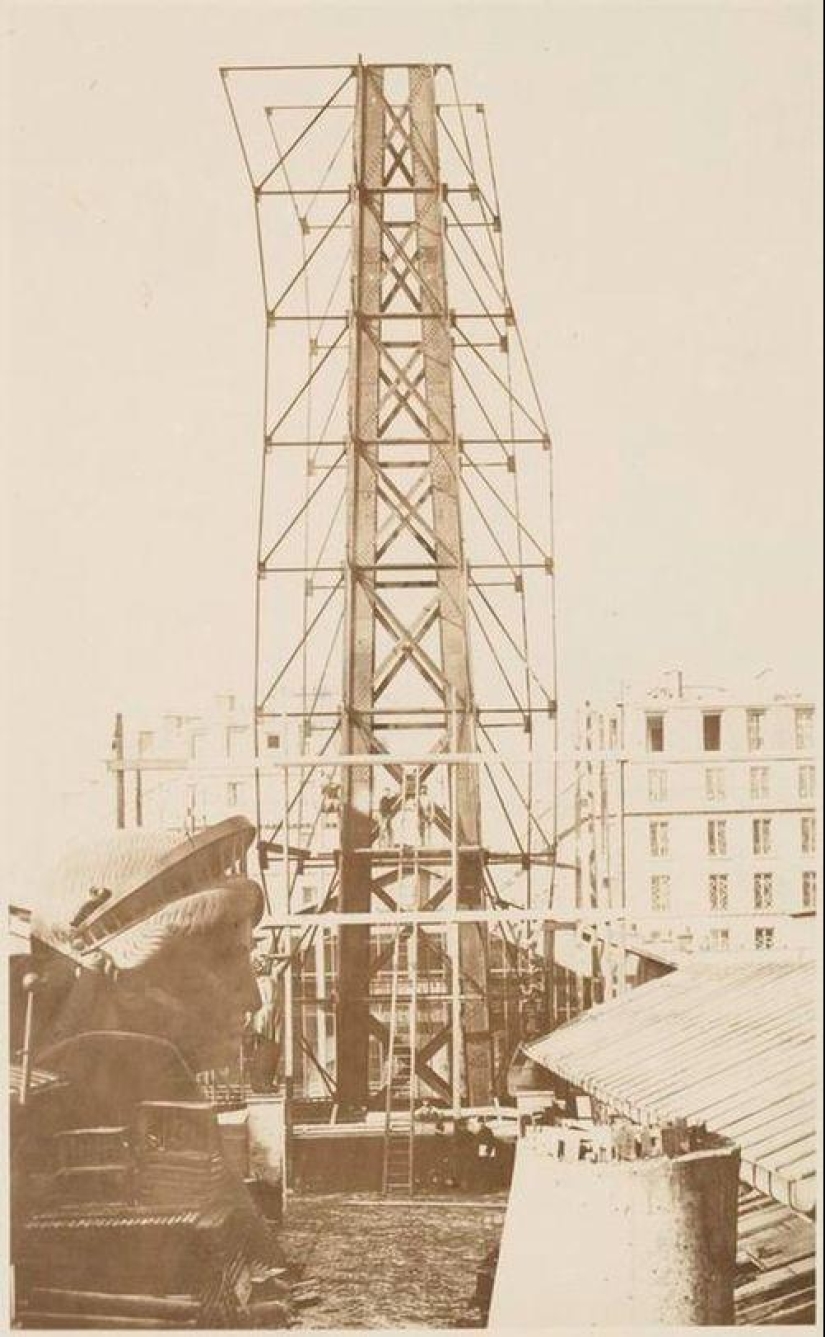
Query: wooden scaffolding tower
(404, 586)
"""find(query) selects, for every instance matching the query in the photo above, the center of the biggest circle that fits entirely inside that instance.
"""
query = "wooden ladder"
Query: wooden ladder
(399, 1143)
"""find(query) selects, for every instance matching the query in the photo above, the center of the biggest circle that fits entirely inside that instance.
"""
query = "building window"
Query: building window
(717, 838)
(809, 891)
(760, 782)
(804, 727)
(145, 742)
(655, 733)
(659, 839)
(763, 939)
(613, 734)
(808, 835)
(712, 731)
(756, 730)
(718, 891)
(762, 835)
(273, 741)
(657, 786)
(660, 893)
(763, 891)
(807, 781)
(715, 783)
(719, 939)
(233, 793)
(236, 741)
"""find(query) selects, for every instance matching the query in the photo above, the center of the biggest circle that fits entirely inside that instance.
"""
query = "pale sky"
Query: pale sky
(657, 173)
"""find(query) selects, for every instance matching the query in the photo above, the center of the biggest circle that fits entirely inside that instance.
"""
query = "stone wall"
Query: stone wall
(625, 1242)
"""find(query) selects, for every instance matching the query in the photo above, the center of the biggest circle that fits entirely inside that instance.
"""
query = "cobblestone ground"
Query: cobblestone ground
(386, 1264)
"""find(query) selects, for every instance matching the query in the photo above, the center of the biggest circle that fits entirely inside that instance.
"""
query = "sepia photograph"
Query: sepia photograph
(411, 659)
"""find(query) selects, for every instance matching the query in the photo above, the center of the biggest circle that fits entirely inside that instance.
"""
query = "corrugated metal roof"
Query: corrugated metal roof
(731, 1044)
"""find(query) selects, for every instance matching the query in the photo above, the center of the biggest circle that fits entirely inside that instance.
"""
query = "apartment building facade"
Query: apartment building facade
(185, 771)
(697, 817)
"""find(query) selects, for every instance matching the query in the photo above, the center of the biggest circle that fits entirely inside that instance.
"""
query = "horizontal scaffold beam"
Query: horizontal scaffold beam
(413, 856)
(421, 918)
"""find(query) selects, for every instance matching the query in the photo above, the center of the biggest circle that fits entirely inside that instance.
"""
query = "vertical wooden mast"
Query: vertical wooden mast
(401, 400)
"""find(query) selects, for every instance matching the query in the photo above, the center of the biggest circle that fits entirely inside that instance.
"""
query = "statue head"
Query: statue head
(146, 933)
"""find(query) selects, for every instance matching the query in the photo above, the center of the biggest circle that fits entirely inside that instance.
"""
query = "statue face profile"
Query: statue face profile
(146, 933)
(138, 977)
(198, 989)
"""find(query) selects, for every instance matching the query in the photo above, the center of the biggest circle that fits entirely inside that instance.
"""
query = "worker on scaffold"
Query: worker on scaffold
(331, 809)
(409, 810)
(426, 815)
(386, 814)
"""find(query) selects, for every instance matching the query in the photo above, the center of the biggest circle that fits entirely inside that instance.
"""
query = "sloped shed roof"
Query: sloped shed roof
(728, 1043)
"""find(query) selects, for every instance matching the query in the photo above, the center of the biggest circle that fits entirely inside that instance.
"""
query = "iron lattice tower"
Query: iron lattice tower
(405, 630)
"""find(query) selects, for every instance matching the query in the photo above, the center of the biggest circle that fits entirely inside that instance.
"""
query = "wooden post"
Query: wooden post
(550, 973)
(29, 984)
(622, 848)
(455, 963)
(120, 774)
(289, 1022)
(287, 872)
(288, 1065)
(412, 967)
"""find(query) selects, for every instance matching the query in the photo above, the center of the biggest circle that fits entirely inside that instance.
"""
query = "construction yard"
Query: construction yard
(372, 1262)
